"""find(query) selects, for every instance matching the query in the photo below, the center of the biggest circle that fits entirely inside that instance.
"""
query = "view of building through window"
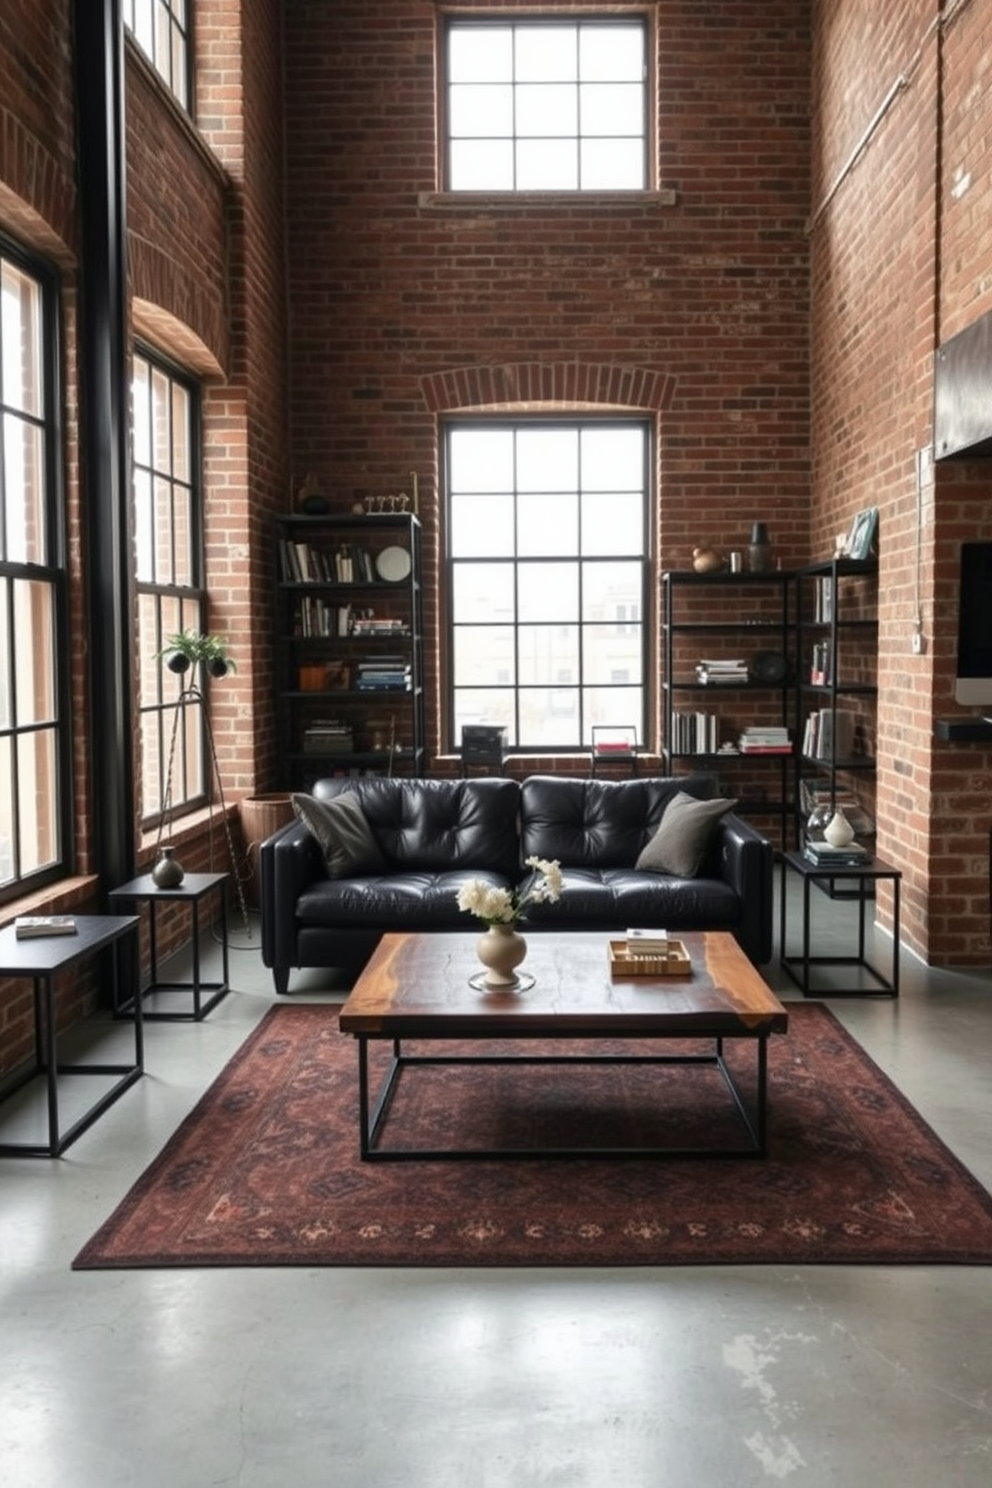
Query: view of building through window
(548, 105)
(547, 556)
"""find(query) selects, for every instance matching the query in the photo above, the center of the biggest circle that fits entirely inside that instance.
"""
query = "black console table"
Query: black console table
(41, 959)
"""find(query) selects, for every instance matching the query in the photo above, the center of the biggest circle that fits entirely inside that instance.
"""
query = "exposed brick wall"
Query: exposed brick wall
(901, 259)
(404, 305)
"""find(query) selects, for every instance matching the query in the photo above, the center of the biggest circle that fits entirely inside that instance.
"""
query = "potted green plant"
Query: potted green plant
(188, 648)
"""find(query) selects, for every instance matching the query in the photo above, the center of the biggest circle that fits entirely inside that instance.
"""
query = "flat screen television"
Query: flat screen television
(973, 684)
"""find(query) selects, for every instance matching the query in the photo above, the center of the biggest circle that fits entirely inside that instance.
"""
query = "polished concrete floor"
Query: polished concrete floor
(670, 1378)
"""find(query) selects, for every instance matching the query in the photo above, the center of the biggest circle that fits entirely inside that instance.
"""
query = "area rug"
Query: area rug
(266, 1170)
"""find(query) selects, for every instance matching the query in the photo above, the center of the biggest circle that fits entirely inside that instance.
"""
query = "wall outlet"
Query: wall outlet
(919, 643)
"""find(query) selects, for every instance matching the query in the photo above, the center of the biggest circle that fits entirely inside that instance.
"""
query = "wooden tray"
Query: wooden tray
(625, 964)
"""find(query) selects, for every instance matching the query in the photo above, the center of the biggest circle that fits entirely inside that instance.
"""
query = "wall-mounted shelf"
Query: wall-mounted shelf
(963, 730)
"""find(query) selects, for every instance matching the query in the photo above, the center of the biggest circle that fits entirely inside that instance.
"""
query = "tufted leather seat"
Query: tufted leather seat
(437, 834)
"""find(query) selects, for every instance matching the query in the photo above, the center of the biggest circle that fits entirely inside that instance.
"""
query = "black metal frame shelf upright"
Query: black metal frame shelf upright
(753, 613)
(837, 612)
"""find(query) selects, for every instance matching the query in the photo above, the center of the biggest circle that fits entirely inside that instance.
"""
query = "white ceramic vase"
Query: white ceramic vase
(501, 951)
(838, 831)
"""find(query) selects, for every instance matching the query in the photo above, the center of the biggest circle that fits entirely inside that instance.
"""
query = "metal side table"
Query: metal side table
(192, 891)
(861, 877)
(41, 959)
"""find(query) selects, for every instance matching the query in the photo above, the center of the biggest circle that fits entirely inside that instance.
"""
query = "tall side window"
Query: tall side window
(169, 566)
(34, 742)
(546, 104)
(161, 29)
(547, 559)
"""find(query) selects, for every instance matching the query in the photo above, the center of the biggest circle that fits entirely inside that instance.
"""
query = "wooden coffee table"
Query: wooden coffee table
(416, 986)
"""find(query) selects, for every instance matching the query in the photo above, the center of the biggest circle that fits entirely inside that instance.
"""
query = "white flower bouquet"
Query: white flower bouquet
(495, 906)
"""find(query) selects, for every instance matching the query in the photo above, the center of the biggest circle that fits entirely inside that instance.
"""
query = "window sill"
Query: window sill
(518, 201)
(61, 897)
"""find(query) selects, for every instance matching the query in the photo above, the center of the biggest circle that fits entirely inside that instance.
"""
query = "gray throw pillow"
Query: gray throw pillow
(684, 833)
(343, 832)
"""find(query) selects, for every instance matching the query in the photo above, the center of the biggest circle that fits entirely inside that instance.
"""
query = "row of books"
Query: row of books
(694, 733)
(820, 664)
(823, 601)
(828, 734)
(314, 616)
(305, 563)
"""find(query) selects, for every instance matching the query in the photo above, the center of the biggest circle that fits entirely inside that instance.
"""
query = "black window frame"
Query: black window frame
(171, 690)
(178, 26)
(516, 745)
(54, 572)
(514, 23)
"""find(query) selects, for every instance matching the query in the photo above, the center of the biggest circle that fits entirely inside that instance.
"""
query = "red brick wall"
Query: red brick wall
(901, 242)
(207, 286)
(403, 306)
(961, 774)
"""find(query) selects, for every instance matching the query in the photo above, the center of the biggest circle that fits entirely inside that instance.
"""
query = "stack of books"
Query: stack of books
(368, 625)
(825, 856)
(716, 670)
(765, 739)
(384, 674)
(328, 736)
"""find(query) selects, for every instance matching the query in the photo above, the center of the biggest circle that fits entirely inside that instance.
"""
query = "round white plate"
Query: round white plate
(393, 564)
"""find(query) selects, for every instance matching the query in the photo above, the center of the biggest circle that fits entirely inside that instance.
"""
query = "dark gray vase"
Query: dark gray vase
(168, 872)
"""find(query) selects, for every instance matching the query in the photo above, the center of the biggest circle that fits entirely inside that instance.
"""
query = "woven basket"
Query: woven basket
(260, 817)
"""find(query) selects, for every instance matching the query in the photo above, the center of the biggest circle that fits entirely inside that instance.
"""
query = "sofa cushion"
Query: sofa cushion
(343, 833)
(392, 901)
(679, 845)
(589, 823)
(435, 826)
(614, 898)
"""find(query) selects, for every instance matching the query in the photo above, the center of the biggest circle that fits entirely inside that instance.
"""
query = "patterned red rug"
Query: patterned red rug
(265, 1171)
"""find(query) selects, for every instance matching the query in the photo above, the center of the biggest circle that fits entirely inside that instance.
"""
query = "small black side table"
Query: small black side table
(193, 889)
(862, 877)
(42, 958)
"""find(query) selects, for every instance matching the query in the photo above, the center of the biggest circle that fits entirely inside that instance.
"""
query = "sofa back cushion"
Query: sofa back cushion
(439, 825)
(598, 823)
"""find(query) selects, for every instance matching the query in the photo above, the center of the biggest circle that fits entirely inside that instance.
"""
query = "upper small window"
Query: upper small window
(546, 105)
(161, 29)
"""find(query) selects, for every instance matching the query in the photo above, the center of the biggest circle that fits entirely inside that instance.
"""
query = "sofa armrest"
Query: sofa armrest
(744, 860)
(288, 862)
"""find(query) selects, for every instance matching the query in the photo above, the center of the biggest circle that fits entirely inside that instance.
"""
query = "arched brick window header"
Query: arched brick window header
(526, 386)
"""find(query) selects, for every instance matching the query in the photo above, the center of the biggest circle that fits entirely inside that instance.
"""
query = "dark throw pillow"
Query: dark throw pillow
(684, 833)
(345, 836)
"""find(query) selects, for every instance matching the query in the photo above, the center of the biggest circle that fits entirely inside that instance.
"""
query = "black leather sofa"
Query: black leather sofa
(435, 835)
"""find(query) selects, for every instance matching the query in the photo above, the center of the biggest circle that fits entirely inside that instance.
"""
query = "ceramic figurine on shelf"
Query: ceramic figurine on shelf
(838, 831)
(706, 560)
